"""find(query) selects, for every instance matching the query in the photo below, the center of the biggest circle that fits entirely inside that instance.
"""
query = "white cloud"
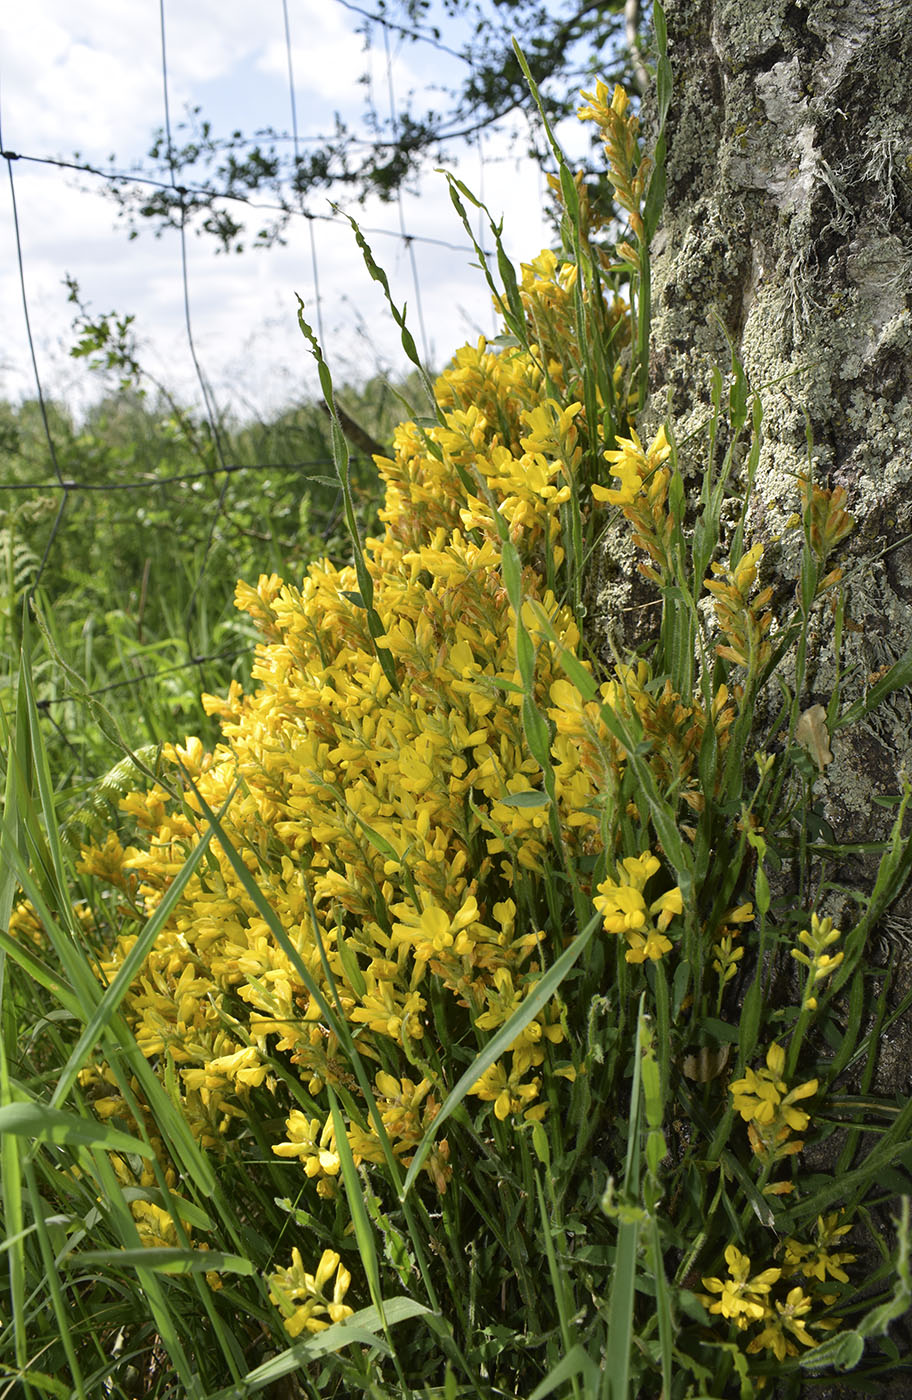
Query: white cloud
(327, 55)
(89, 78)
(87, 85)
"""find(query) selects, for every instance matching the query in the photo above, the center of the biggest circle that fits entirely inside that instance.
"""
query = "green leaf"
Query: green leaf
(762, 890)
(164, 1260)
(533, 88)
(661, 29)
(843, 1351)
(41, 1381)
(898, 677)
(525, 799)
(538, 735)
(129, 969)
(577, 1362)
(750, 1018)
(620, 1312)
(356, 1207)
(341, 461)
(655, 195)
(359, 1329)
(351, 966)
(43, 1124)
(570, 193)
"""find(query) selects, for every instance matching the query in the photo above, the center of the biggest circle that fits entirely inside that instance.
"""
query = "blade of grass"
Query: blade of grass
(165, 1322)
(577, 1362)
(62, 1313)
(341, 458)
(130, 967)
(11, 1150)
(340, 1028)
(164, 1259)
(358, 1330)
(559, 1284)
(121, 1044)
(541, 994)
(616, 1373)
(357, 1209)
(39, 1123)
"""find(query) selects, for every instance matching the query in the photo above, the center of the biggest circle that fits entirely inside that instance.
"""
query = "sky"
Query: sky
(87, 78)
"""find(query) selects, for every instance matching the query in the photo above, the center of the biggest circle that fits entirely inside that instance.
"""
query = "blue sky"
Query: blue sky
(87, 78)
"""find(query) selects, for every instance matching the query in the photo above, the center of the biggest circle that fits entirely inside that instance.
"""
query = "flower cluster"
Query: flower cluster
(819, 1260)
(819, 962)
(623, 906)
(741, 617)
(767, 1106)
(745, 1300)
(740, 1297)
(301, 1297)
(827, 524)
(424, 786)
(395, 823)
(805, 1274)
(643, 497)
(627, 170)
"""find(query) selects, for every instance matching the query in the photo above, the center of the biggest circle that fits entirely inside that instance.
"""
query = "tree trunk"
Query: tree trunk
(787, 236)
(787, 239)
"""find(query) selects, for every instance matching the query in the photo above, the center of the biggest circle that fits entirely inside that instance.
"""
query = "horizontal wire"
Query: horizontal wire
(84, 168)
(227, 655)
(150, 481)
(225, 469)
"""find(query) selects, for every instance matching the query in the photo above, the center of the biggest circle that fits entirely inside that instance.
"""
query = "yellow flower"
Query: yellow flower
(819, 1260)
(311, 1143)
(507, 1093)
(727, 956)
(740, 618)
(818, 961)
(155, 1226)
(767, 1105)
(302, 1298)
(243, 1068)
(788, 1315)
(599, 106)
(105, 862)
(503, 999)
(385, 816)
(634, 465)
(433, 931)
(740, 1297)
(623, 907)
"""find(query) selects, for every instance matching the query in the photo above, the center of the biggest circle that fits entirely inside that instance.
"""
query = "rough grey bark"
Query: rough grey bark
(787, 235)
(789, 223)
